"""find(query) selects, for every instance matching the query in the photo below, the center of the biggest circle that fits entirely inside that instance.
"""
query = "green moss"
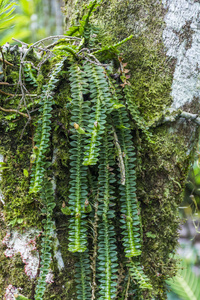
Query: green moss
(20, 208)
(165, 166)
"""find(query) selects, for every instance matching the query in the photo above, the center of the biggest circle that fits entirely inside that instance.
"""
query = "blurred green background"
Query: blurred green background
(33, 20)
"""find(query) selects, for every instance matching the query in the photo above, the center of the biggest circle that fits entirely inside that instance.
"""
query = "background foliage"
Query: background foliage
(33, 20)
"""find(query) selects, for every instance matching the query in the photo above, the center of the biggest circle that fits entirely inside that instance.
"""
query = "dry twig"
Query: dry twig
(120, 157)
(15, 111)
(6, 62)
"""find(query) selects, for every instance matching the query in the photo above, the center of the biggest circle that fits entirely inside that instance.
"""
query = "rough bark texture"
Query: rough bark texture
(162, 166)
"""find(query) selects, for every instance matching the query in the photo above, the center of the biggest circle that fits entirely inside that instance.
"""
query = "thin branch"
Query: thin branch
(57, 42)
(8, 94)
(20, 42)
(176, 115)
(127, 288)
(84, 50)
(29, 121)
(4, 83)
(96, 62)
(25, 44)
(52, 38)
(56, 37)
(6, 62)
(15, 111)
(31, 63)
(17, 95)
(120, 157)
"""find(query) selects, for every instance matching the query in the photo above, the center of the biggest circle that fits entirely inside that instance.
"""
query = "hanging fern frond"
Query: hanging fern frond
(186, 283)
(83, 276)
(137, 274)
(78, 172)
(47, 199)
(135, 114)
(107, 254)
(129, 207)
(43, 130)
(101, 104)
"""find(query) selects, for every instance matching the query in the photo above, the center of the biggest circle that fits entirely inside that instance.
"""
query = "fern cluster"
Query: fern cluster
(39, 182)
(101, 130)
(43, 130)
(78, 172)
(137, 274)
(107, 249)
(83, 273)
(29, 75)
(102, 193)
(47, 199)
(101, 102)
(129, 207)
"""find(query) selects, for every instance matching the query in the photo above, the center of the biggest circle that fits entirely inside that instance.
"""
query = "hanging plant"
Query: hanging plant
(102, 179)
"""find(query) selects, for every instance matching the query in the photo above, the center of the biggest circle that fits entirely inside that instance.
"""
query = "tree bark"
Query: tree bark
(163, 61)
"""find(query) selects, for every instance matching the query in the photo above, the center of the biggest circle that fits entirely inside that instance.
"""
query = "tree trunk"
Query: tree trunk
(162, 58)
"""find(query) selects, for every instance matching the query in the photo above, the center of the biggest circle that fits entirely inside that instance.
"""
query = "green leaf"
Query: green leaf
(186, 283)
(20, 297)
(66, 211)
(26, 174)
(6, 9)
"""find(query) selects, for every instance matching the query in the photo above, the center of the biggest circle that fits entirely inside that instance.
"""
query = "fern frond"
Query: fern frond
(186, 283)
(101, 103)
(135, 114)
(86, 26)
(29, 75)
(47, 199)
(43, 130)
(129, 207)
(78, 172)
(107, 254)
(137, 274)
(6, 9)
(112, 50)
(71, 49)
(83, 276)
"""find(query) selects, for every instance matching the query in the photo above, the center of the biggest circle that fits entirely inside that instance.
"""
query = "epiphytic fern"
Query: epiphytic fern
(101, 103)
(47, 199)
(83, 276)
(137, 274)
(107, 254)
(78, 172)
(43, 130)
(129, 208)
(29, 75)
(138, 120)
